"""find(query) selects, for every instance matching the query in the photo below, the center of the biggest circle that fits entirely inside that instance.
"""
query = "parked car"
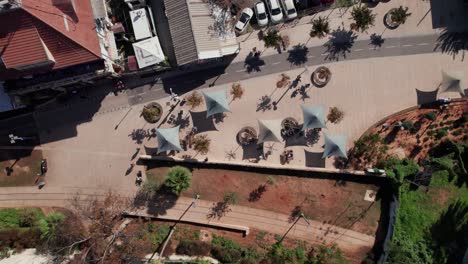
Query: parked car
(289, 9)
(244, 20)
(260, 11)
(275, 11)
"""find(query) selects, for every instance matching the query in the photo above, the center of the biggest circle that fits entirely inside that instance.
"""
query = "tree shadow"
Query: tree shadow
(256, 194)
(218, 210)
(253, 62)
(376, 40)
(452, 43)
(390, 137)
(340, 43)
(302, 91)
(156, 203)
(295, 213)
(265, 103)
(182, 121)
(219, 117)
(138, 135)
(312, 136)
(298, 54)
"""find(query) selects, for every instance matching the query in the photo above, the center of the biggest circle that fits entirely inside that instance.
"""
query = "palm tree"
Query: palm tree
(236, 91)
(363, 18)
(178, 179)
(320, 27)
(201, 144)
(194, 100)
(272, 38)
(399, 15)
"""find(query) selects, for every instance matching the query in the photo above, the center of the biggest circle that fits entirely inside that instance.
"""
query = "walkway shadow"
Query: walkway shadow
(340, 43)
(424, 97)
(253, 62)
(298, 54)
(202, 123)
(314, 159)
(453, 43)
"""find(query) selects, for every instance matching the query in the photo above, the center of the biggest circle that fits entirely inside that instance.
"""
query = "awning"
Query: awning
(451, 83)
(168, 139)
(216, 102)
(335, 146)
(314, 117)
(269, 130)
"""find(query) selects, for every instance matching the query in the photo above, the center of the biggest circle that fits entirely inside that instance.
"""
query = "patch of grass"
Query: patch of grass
(12, 217)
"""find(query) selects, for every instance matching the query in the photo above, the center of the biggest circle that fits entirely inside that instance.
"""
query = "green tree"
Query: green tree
(178, 179)
(49, 225)
(363, 18)
(272, 38)
(320, 27)
(399, 15)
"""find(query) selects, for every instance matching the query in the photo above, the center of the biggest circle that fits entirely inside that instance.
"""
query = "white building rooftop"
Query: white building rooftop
(148, 52)
(140, 23)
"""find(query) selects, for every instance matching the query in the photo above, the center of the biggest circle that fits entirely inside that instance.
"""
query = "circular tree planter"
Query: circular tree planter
(321, 76)
(247, 136)
(290, 127)
(388, 21)
(152, 112)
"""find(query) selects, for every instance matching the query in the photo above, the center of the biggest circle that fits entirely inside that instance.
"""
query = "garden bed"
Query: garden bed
(338, 203)
(425, 128)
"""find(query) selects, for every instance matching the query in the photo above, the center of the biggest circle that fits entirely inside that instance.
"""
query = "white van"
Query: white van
(275, 11)
(289, 9)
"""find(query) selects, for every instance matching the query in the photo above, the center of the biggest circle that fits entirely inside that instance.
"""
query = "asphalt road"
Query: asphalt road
(254, 67)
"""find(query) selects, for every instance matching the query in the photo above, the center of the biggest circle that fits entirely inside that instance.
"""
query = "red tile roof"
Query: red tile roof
(41, 31)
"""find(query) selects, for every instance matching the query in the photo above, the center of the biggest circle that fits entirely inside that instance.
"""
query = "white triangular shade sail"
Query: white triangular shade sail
(269, 130)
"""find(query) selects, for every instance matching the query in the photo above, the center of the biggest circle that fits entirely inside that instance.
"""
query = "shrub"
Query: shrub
(28, 217)
(363, 17)
(193, 248)
(194, 99)
(178, 179)
(440, 133)
(335, 115)
(49, 225)
(320, 27)
(399, 15)
(230, 198)
(201, 143)
(237, 91)
(430, 116)
(150, 187)
(225, 250)
(407, 125)
(272, 38)
(161, 233)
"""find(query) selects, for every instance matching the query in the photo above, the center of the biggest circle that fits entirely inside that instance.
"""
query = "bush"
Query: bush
(440, 133)
(363, 17)
(178, 179)
(201, 143)
(408, 125)
(335, 115)
(225, 250)
(320, 27)
(193, 248)
(194, 99)
(150, 187)
(161, 233)
(230, 198)
(432, 116)
(49, 225)
(272, 38)
(28, 217)
(236, 91)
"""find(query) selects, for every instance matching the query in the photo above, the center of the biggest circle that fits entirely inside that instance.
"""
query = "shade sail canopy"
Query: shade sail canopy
(269, 130)
(216, 102)
(314, 117)
(451, 83)
(335, 146)
(168, 139)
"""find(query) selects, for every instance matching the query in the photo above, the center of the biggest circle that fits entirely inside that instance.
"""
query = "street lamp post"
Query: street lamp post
(192, 204)
(301, 215)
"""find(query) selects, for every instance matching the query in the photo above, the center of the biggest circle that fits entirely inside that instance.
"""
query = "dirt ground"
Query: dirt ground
(24, 168)
(337, 203)
(415, 143)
